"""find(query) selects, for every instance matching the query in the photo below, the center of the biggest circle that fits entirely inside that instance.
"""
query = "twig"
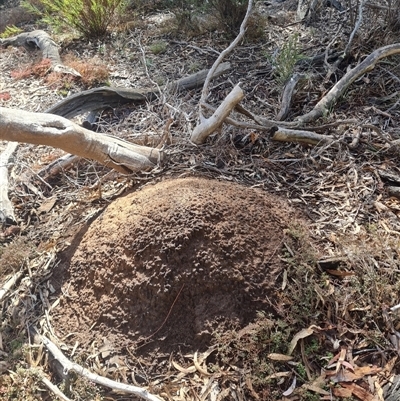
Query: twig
(356, 27)
(223, 54)
(346, 51)
(103, 381)
(241, 124)
(54, 389)
(168, 314)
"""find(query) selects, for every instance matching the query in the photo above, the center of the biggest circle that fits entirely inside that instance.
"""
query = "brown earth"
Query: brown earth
(165, 266)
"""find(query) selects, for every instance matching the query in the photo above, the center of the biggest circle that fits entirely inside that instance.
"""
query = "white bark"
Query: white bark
(103, 381)
(6, 207)
(208, 125)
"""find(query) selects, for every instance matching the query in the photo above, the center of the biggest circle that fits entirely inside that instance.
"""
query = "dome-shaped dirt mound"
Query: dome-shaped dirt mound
(173, 261)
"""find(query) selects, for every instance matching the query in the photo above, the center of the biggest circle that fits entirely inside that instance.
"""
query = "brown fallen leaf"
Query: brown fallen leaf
(348, 376)
(190, 369)
(359, 392)
(340, 273)
(47, 205)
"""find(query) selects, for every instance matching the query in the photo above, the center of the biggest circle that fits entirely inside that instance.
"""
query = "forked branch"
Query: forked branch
(327, 102)
(207, 126)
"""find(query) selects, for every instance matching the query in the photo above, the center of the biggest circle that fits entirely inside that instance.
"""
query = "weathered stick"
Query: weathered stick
(290, 135)
(54, 389)
(6, 207)
(103, 381)
(287, 96)
(51, 130)
(63, 163)
(207, 126)
(9, 284)
(325, 104)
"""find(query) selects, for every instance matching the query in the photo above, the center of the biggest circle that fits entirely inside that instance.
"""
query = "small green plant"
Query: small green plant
(287, 57)
(158, 47)
(11, 30)
(91, 18)
(301, 370)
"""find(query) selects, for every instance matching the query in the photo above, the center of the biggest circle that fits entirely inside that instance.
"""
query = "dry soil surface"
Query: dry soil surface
(165, 266)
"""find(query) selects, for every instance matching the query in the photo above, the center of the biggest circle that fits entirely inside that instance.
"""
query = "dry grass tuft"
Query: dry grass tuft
(93, 71)
(13, 256)
(35, 70)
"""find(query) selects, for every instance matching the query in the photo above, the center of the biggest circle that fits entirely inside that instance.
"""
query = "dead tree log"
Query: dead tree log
(100, 98)
(42, 40)
(58, 132)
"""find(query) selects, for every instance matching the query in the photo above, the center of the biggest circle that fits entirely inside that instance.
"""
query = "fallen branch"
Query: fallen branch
(100, 98)
(103, 381)
(289, 135)
(326, 103)
(6, 207)
(58, 132)
(287, 96)
(207, 126)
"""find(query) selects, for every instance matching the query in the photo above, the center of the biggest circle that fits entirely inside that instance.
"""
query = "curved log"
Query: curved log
(45, 43)
(100, 98)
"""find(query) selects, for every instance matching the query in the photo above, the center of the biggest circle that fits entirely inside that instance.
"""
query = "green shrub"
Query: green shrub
(284, 62)
(91, 18)
(11, 30)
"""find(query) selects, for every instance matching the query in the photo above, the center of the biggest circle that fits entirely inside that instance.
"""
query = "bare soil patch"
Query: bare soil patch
(166, 266)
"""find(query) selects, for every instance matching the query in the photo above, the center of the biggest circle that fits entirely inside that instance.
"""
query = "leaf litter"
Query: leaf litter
(352, 220)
